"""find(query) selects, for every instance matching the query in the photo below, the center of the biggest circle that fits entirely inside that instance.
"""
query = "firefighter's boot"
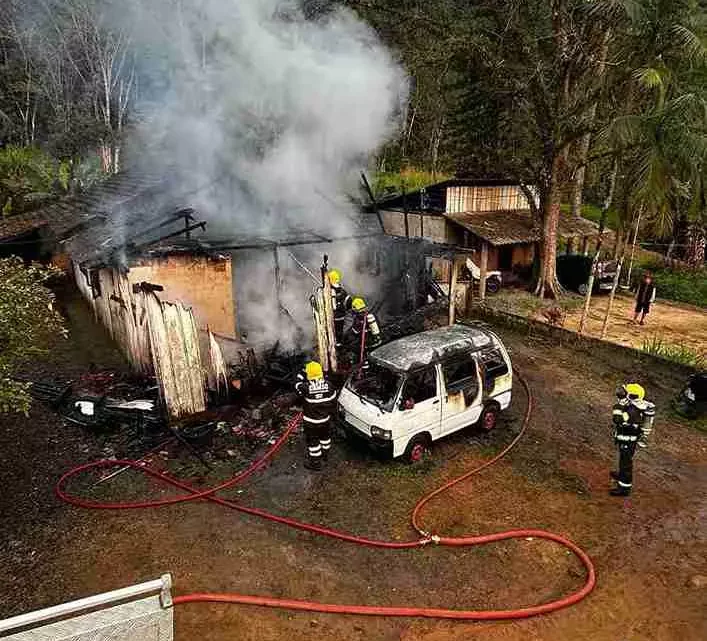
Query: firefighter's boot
(313, 463)
(620, 491)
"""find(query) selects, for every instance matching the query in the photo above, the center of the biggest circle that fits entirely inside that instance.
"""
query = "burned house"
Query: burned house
(187, 298)
(491, 218)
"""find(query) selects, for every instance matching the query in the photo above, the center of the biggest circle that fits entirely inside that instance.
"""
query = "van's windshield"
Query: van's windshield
(377, 385)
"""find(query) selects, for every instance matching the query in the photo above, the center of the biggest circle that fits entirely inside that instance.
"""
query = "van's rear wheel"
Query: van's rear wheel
(488, 418)
(417, 448)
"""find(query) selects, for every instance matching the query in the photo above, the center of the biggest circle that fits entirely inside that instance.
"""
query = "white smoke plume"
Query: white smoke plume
(280, 111)
(277, 114)
(261, 120)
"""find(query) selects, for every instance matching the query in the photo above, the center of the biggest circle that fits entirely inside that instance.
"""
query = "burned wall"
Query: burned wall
(203, 283)
(273, 286)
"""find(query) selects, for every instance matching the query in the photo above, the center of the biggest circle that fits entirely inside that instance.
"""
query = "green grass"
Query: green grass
(527, 304)
(678, 284)
(593, 213)
(385, 183)
(679, 353)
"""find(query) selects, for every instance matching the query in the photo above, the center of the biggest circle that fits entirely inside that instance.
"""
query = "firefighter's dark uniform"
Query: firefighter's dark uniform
(628, 420)
(317, 406)
(342, 305)
(364, 321)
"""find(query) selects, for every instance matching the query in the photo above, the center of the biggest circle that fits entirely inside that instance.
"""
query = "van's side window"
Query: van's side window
(421, 386)
(460, 375)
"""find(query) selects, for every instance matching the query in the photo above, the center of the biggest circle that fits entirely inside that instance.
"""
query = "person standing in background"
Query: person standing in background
(644, 297)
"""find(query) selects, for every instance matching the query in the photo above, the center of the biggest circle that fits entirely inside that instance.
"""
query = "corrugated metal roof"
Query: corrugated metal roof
(517, 226)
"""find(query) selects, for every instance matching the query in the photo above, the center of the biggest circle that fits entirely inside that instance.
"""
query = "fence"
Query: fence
(140, 612)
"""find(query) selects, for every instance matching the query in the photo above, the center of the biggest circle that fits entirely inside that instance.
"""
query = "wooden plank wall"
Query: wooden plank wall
(155, 336)
(465, 199)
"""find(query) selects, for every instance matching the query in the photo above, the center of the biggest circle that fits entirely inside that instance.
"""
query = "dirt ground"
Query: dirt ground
(673, 323)
(650, 551)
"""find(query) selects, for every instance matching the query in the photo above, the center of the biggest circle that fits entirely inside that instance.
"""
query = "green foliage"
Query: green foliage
(678, 284)
(681, 353)
(28, 176)
(28, 323)
(409, 180)
(593, 213)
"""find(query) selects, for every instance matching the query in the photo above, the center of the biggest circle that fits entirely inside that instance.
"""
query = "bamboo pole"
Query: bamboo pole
(610, 304)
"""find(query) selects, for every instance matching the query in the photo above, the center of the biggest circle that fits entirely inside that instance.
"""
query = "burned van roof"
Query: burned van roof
(419, 350)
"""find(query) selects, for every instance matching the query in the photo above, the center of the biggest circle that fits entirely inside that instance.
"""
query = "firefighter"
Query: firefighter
(631, 416)
(364, 322)
(341, 303)
(318, 403)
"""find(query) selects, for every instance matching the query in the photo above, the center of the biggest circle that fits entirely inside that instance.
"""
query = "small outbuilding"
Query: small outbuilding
(492, 218)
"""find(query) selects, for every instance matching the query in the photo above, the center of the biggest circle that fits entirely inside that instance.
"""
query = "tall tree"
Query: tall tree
(534, 71)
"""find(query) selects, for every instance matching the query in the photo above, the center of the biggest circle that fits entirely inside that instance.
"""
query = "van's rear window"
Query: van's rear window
(494, 363)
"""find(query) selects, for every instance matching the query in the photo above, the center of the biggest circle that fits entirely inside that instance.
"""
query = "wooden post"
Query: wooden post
(570, 244)
(585, 244)
(610, 304)
(483, 268)
(452, 289)
(469, 295)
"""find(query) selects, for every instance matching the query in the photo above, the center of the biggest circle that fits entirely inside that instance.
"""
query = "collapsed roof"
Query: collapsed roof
(132, 213)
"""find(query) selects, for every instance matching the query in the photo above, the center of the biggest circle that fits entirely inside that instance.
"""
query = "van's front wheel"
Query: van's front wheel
(488, 418)
(417, 448)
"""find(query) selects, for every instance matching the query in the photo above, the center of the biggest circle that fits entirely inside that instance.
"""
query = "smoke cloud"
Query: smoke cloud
(276, 112)
(266, 118)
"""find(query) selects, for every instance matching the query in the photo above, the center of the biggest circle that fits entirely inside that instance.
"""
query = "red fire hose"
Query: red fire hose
(192, 494)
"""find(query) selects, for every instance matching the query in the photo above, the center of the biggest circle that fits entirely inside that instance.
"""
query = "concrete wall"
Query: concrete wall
(205, 284)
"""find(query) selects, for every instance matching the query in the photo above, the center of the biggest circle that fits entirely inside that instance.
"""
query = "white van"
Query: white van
(422, 387)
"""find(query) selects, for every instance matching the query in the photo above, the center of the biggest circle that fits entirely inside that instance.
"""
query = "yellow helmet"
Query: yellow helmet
(334, 276)
(635, 391)
(313, 370)
(358, 304)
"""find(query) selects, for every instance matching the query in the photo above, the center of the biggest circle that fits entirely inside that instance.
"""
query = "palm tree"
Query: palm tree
(660, 137)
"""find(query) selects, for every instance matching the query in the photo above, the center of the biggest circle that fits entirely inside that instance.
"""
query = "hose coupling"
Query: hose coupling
(435, 539)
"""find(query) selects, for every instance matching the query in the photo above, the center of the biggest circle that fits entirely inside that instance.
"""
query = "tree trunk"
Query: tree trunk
(696, 241)
(547, 280)
(579, 174)
(633, 248)
(583, 149)
(602, 223)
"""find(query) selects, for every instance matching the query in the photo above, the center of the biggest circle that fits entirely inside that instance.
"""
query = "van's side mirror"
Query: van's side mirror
(407, 404)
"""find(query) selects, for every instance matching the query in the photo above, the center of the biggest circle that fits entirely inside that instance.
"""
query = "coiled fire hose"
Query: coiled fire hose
(193, 494)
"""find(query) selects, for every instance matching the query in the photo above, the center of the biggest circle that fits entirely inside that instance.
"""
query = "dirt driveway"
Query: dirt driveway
(649, 551)
(673, 323)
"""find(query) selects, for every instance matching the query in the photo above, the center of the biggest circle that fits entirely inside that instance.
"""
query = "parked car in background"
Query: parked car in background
(573, 271)
(422, 387)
